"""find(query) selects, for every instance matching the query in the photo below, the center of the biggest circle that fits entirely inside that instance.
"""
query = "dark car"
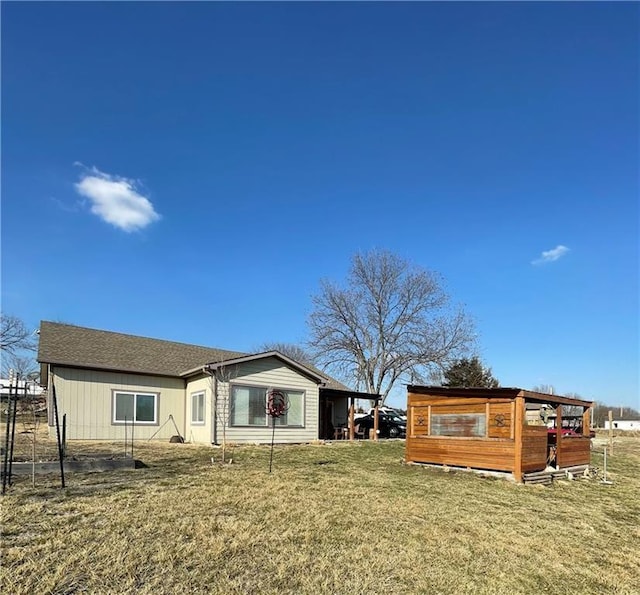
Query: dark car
(389, 426)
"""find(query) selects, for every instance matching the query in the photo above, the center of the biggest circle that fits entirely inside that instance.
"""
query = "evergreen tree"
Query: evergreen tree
(469, 372)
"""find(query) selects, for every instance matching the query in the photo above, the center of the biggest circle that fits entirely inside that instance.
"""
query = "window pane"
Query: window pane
(293, 416)
(240, 406)
(145, 408)
(257, 407)
(296, 407)
(248, 406)
(197, 408)
(124, 407)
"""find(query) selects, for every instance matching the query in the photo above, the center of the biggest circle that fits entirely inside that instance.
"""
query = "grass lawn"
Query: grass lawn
(335, 518)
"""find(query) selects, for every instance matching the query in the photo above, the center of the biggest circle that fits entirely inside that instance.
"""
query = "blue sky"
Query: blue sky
(191, 171)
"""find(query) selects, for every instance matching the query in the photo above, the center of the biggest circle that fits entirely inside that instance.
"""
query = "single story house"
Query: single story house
(106, 382)
(25, 388)
(498, 429)
(629, 425)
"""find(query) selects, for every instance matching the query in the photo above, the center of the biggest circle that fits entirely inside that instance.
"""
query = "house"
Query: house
(497, 429)
(25, 388)
(112, 385)
(630, 425)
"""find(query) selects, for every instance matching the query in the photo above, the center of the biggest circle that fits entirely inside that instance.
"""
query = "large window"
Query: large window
(249, 407)
(140, 408)
(197, 408)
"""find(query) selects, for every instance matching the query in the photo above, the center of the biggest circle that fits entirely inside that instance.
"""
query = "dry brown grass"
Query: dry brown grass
(341, 518)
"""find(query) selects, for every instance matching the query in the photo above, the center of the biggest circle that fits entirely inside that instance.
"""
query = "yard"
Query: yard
(335, 518)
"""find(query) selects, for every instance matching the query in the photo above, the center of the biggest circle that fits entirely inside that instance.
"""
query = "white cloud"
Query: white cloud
(551, 255)
(116, 200)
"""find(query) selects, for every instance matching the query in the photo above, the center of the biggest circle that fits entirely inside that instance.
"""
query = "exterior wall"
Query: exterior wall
(495, 450)
(463, 452)
(534, 448)
(268, 373)
(623, 424)
(201, 433)
(573, 451)
(86, 397)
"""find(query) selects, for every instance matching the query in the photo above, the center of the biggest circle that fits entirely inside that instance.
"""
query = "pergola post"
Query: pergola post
(375, 421)
(586, 421)
(517, 427)
(352, 430)
(558, 434)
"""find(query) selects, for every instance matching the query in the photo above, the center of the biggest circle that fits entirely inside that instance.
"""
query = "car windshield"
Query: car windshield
(394, 418)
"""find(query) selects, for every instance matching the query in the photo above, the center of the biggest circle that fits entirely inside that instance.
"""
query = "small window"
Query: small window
(197, 408)
(140, 408)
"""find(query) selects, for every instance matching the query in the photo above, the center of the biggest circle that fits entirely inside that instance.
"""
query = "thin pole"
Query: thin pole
(55, 411)
(605, 481)
(13, 431)
(5, 462)
(133, 425)
(33, 458)
(273, 434)
(125, 436)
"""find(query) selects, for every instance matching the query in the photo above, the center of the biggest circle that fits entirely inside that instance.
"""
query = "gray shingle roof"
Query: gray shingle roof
(76, 346)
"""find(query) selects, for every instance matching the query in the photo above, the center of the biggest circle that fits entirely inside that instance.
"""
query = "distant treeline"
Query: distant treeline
(601, 414)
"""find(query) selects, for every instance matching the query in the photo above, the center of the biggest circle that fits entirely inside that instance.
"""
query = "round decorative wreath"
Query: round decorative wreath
(276, 403)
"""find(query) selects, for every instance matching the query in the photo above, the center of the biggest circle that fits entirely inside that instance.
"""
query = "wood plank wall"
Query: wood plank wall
(574, 450)
(534, 448)
(494, 451)
(479, 453)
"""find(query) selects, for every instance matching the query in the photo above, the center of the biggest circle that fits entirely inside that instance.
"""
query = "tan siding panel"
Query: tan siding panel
(197, 432)
(272, 373)
(86, 398)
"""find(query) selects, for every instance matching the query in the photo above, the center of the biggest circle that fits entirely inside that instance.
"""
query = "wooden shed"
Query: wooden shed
(498, 429)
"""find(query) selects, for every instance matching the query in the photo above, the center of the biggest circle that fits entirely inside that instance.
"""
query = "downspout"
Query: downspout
(214, 402)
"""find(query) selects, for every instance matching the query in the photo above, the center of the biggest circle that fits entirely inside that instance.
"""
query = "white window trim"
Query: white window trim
(135, 393)
(198, 393)
(268, 422)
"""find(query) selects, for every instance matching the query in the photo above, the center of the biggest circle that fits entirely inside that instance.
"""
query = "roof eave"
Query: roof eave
(207, 368)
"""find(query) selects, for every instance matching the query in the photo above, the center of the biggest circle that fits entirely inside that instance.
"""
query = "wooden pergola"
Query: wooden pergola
(488, 428)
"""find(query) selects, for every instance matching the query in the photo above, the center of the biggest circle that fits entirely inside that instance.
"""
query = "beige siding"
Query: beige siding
(86, 397)
(198, 432)
(270, 373)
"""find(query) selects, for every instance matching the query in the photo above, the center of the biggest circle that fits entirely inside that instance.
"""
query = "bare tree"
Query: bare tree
(295, 352)
(567, 410)
(392, 321)
(219, 377)
(15, 337)
(23, 365)
(547, 389)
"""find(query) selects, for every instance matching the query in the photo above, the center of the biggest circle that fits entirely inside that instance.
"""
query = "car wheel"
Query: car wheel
(394, 432)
